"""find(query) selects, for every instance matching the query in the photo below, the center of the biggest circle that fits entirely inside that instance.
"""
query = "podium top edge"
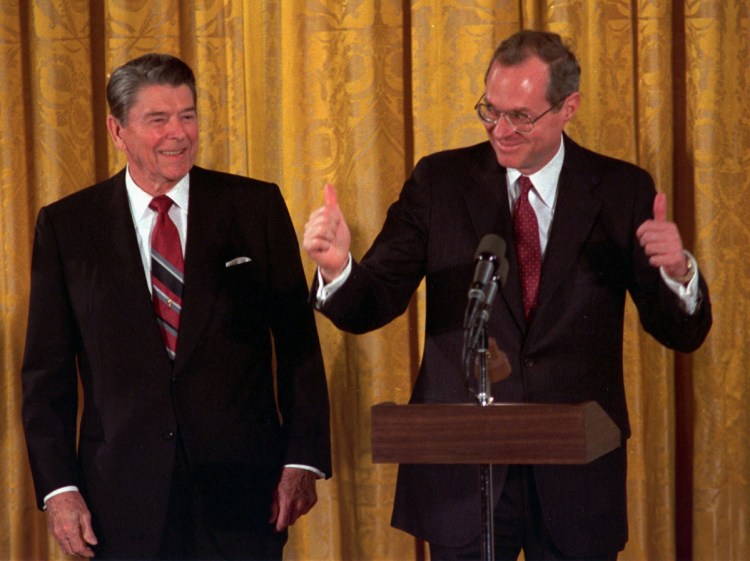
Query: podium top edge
(494, 405)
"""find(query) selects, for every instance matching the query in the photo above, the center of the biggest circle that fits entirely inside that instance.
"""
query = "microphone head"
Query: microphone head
(488, 257)
(490, 245)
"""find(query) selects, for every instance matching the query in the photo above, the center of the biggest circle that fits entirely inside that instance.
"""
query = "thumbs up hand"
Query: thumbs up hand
(661, 241)
(327, 239)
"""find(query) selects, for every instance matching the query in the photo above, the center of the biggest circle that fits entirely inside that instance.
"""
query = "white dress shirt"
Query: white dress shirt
(144, 217)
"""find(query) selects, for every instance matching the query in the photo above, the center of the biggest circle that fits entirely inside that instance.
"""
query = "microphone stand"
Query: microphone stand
(484, 395)
(475, 341)
(475, 349)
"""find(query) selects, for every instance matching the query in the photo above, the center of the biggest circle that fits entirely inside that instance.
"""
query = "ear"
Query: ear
(570, 106)
(115, 132)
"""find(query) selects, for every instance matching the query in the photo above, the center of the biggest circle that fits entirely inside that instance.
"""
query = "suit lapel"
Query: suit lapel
(209, 219)
(120, 261)
(575, 213)
(112, 233)
(488, 207)
(487, 196)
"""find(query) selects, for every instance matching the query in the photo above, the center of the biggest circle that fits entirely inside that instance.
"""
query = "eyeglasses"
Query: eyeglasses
(517, 120)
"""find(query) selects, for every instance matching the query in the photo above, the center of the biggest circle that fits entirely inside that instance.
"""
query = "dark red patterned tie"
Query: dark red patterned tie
(528, 247)
(167, 269)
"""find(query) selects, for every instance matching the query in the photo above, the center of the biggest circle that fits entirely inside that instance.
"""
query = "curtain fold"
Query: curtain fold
(717, 146)
(353, 93)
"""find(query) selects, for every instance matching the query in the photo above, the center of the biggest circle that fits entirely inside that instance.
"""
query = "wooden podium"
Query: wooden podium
(502, 433)
(505, 433)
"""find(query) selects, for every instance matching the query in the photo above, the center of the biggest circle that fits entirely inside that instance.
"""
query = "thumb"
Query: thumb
(89, 536)
(274, 509)
(660, 207)
(329, 195)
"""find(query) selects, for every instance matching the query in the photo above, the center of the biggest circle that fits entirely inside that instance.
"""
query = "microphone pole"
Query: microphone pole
(484, 395)
(478, 340)
(478, 344)
(489, 258)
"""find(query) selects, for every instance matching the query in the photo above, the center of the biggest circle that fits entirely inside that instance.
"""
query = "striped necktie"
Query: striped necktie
(528, 246)
(167, 269)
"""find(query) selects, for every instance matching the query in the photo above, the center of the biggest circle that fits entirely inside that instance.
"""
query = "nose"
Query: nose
(175, 128)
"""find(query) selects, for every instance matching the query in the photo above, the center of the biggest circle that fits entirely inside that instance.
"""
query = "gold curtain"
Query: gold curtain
(353, 92)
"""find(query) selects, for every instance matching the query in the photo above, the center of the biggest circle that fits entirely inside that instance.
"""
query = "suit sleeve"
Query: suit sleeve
(302, 387)
(380, 287)
(49, 381)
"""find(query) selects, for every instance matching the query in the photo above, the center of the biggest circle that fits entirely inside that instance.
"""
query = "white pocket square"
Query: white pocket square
(237, 261)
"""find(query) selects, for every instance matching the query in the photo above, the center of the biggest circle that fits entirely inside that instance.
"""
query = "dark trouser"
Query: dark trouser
(518, 526)
(187, 535)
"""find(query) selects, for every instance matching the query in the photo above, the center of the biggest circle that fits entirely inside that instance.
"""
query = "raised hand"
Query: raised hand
(327, 239)
(661, 241)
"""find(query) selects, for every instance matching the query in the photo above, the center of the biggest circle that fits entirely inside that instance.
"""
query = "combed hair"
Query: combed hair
(564, 70)
(150, 69)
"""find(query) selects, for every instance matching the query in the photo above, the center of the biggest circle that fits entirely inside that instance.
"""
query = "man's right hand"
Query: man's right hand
(69, 522)
(327, 239)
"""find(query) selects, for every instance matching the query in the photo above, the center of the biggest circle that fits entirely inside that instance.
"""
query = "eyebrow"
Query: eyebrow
(190, 109)
(514, 110)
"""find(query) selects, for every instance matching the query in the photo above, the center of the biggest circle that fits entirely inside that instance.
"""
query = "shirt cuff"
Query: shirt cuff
(69, 488)
(316, 471)
(688, 295)
(325, 291)
(59, 491)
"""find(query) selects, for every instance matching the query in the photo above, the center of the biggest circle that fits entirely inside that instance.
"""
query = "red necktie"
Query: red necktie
(167, 269)
(528, 247)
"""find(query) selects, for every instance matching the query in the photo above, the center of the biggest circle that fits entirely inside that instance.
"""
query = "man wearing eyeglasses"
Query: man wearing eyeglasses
(582, 230)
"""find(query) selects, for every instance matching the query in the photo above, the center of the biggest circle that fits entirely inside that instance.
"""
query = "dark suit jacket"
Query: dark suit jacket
(91, 312)
(571, 352)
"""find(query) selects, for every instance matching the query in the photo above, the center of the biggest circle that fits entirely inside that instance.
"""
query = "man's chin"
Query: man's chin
(175, 173)
(508, 161)
(509, 156)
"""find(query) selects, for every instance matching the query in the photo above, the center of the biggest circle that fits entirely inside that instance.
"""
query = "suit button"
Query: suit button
(167, 435)
(528, 362)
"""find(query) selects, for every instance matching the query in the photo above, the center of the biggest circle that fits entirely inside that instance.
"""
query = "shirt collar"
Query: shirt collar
(545, 180)
(139, 199)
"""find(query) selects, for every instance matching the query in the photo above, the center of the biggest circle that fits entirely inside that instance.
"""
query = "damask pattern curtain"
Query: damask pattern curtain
(354, 92)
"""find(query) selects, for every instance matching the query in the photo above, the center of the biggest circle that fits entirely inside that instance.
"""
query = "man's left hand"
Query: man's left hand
(294, 496)
(661, 241)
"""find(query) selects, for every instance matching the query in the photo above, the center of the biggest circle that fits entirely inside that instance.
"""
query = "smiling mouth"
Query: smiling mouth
(503, 145)
(172, 152)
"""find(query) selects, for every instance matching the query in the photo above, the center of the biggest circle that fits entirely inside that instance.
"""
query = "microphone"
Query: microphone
(490, 267)
(490, 273)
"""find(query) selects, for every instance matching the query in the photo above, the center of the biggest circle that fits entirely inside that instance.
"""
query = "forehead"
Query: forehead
(163, 97)
(520, 85)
